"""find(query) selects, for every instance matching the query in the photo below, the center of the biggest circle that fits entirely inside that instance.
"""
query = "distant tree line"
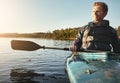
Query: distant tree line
(68, 33)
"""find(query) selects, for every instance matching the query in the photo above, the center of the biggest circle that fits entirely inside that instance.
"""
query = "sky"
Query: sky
(28, 16)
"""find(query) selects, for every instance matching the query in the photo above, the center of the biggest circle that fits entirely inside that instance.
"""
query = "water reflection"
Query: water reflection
(21, 75)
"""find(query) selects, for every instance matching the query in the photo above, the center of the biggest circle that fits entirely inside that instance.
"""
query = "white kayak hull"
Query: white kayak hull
(93, 68)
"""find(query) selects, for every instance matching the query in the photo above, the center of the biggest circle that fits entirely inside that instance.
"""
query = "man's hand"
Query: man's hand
(73, 48)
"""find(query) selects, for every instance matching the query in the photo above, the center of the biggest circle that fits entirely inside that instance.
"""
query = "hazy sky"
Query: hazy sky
(25, 16)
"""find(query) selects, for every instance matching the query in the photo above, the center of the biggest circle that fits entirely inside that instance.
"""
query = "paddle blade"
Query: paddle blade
(24, 45)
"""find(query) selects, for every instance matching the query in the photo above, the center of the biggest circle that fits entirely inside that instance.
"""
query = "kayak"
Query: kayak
(93, 67)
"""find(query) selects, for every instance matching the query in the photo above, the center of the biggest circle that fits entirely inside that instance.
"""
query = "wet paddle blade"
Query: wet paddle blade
(24, 45)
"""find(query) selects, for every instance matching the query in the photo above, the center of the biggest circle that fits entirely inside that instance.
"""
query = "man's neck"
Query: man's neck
(97, 22)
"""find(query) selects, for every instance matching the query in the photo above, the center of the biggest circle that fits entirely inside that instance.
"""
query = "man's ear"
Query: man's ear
(105, 14)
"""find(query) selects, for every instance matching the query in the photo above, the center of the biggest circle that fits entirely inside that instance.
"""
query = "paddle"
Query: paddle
(30, 46)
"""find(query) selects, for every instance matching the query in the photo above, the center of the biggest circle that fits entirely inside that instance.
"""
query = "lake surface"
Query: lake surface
(48, 65)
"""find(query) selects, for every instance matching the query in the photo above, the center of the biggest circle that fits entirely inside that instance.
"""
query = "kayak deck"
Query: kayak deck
(93, 68)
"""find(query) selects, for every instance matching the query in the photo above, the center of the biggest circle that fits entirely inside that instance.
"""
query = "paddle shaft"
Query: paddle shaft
(67, 49)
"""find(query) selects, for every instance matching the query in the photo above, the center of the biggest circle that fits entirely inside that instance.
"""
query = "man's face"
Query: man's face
(98, 14)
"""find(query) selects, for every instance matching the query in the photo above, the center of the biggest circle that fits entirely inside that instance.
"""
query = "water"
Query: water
(49, 64)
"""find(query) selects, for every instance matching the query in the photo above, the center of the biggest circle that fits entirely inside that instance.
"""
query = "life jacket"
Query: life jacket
(97, 36)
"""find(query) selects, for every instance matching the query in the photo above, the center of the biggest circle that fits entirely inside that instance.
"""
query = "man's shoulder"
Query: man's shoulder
(112, 30)
(111, 27)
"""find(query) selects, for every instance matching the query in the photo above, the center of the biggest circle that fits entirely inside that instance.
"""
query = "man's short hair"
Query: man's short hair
(103, 5)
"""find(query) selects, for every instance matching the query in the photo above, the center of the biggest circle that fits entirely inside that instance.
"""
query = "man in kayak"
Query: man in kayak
(97, 35)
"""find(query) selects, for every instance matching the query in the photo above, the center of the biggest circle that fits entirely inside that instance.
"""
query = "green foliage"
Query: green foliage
(118, 31)
(68, 33)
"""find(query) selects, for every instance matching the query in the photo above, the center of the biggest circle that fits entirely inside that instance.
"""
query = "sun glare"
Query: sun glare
(10, 16)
